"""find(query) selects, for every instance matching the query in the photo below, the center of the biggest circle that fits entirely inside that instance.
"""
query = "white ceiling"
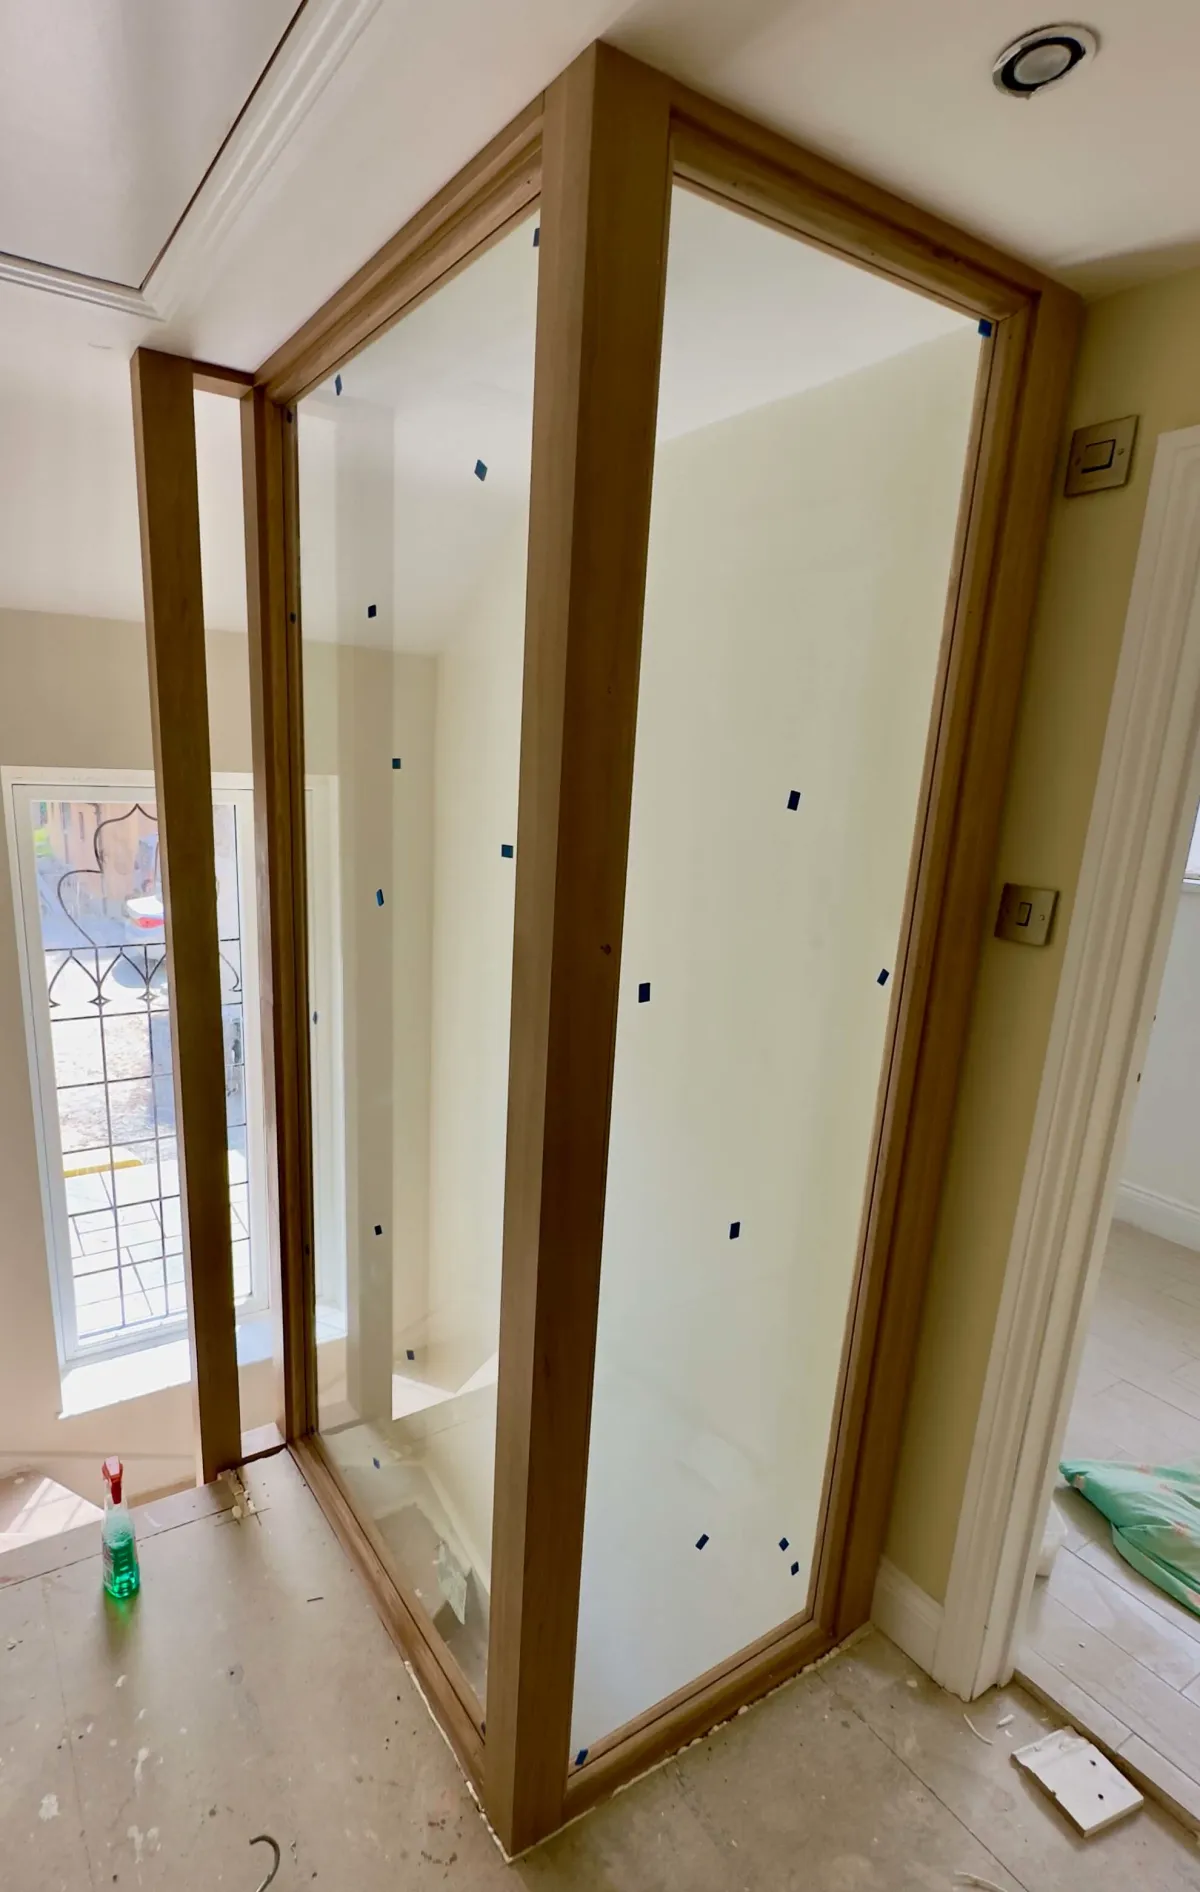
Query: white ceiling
(111, 111)
(1094, 181)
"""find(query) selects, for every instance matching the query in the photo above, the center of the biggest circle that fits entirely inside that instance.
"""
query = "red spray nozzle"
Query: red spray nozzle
(114, 1472)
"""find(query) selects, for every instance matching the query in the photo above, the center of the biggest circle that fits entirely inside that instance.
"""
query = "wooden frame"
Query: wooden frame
(603, 149)
(169, 507)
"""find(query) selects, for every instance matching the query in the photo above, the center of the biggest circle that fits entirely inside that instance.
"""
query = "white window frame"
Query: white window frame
(44, 784)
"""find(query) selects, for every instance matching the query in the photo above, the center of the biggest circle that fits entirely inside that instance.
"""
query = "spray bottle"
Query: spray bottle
(118, 1543)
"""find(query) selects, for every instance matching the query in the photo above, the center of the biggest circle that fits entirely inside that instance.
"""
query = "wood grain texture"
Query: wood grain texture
(277, 749)
(165, 441)
(208, 378)
(997, 588)
(730, 156)
(691, 1711)
(474, 210)
(605, 198)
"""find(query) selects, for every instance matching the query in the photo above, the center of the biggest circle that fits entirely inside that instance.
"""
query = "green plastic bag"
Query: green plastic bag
(1154, 1511)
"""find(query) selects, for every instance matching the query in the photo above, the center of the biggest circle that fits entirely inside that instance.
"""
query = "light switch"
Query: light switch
(1101, 455)
(1026, 914)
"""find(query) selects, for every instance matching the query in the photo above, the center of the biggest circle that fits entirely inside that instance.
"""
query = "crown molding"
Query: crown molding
(68, 282)
(306, 59)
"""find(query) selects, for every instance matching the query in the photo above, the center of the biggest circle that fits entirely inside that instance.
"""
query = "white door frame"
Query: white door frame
(1120, 927)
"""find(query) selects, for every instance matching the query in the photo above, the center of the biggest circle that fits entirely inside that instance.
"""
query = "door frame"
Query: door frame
(1132, 869)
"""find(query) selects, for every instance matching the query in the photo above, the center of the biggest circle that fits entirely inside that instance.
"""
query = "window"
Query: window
(88, 877)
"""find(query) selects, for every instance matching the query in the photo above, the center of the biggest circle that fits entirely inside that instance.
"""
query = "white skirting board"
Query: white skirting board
(1158, 1215)
(907, 1617)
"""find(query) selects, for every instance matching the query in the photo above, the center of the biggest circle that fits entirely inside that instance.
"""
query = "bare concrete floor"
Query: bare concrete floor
(252, 1689)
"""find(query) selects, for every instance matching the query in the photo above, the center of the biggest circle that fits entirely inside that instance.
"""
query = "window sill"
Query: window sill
(90, 1385)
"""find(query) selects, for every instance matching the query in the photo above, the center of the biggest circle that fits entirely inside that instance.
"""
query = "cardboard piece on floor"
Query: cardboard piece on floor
(1090, 1790)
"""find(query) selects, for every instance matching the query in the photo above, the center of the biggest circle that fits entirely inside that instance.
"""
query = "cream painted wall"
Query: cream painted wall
(478, 747)
(477, 751)
(1160, 1177)
(1139, 355)
(799, 558)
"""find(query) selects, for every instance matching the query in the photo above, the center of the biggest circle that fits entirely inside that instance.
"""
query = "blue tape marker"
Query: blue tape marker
(537, 235)
(314, 1018)
(883, 977)
(795, 1570)
(702, 1540)
(735, 1229)
(986, 327)
(337, 384)
(506, 850)
(644, 992)
(783, 1543)
(376, 1464)
(480, 470)
(409, 1354)
(794, 800)
(581, 1757)
(379, 896)
(379, 1228)
(395, 761)
(370, 610)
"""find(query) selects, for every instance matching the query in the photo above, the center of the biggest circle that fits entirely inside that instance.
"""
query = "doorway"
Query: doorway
(1092, 1295)
(1104, 1618)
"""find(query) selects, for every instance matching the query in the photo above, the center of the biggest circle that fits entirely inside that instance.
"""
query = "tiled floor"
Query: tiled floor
(251, 1689)
(1111, 1649)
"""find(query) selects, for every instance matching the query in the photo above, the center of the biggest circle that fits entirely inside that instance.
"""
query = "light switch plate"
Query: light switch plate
(1100, 455)
(1026, 914)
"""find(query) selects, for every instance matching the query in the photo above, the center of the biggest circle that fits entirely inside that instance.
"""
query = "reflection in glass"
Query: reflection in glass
(227, 666)
(414, 487)
(812, 432)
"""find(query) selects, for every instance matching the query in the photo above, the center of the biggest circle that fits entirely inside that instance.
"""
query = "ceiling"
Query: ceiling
(112, 108)
(111, 112)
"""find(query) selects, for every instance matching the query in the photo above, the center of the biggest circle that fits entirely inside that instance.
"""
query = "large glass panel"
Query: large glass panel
(414, 489)
(812, 434)
(227, 659)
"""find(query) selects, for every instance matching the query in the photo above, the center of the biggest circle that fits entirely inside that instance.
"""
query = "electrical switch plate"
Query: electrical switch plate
(1101, 455)
(1026, 914)
(1089, 1789)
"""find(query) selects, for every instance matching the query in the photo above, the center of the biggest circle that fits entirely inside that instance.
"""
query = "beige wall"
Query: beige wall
(1140, 355)
(798, 562)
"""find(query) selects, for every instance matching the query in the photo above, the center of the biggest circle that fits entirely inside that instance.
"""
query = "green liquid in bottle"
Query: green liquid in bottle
(121, 1574)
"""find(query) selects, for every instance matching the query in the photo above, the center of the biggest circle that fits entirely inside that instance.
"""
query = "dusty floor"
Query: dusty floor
(1114, 1651)
(252, 1689)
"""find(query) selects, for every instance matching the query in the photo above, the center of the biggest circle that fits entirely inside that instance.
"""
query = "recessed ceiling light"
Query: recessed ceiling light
(1042, 57)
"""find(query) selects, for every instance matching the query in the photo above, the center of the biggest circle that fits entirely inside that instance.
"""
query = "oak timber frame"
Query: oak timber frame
(600, 151)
